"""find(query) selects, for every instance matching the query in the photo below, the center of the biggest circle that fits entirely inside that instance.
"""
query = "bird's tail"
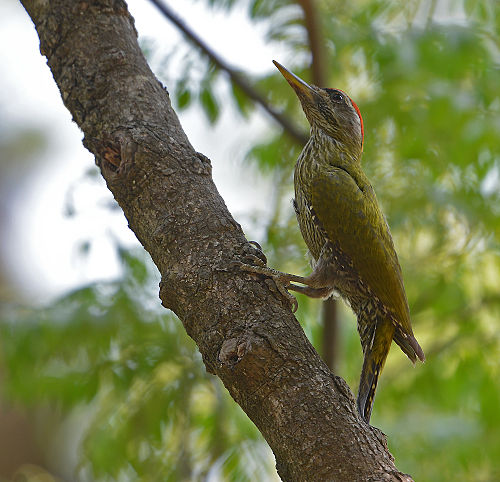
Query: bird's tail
(409, 345)
(375, 349)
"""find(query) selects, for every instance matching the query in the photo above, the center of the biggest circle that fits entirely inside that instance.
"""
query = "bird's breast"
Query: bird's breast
(313, 237)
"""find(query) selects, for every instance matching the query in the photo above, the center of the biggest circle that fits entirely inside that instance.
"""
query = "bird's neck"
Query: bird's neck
(322, 153)
(325, 150)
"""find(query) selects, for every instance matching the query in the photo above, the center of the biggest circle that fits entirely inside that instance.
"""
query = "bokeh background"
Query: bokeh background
(98, 382)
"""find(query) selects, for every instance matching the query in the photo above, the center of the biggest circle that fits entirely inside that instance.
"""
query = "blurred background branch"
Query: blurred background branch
(238, 78)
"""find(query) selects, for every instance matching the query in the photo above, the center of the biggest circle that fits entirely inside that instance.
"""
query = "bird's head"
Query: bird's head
(330, 110)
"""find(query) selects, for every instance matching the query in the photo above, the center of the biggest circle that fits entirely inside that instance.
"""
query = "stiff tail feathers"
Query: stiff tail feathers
(409, 345)
(375, 355)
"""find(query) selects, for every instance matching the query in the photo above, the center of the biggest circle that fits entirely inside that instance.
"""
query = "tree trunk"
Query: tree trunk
(244, 329)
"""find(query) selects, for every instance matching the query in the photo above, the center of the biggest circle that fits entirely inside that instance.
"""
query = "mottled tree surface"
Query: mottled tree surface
(245, 330)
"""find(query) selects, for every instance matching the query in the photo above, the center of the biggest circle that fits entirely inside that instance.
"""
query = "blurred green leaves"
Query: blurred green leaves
(153, 410)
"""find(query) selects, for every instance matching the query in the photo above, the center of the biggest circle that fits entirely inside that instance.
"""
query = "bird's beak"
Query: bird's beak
(301, 88)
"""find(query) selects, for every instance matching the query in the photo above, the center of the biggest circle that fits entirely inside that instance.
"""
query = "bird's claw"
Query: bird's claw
(258, 251)
(257, 245)
(292, 301)
(278, 278)
(253, 260)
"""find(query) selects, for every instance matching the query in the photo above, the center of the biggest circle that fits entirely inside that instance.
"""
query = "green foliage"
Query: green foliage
(209, 104)
(242, 102)
(427, 86)
(157, 414)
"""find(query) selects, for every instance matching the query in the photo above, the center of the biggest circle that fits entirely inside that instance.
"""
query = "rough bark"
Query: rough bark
(245, 330)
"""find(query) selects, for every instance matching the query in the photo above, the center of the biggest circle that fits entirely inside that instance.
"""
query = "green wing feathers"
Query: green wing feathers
(349, 213)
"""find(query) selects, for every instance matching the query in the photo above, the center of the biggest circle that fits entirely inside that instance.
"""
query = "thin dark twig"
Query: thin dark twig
(297, 134)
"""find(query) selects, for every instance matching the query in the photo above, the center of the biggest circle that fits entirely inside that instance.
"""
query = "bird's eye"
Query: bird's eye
(336, 96)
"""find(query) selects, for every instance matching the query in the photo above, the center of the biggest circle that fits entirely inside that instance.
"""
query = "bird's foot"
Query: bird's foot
(281, 281)
(256, 264)
(259, 252)
(322, 293)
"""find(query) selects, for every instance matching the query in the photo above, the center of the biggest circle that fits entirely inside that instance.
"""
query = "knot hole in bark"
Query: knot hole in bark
(115, 154)
(232, 351)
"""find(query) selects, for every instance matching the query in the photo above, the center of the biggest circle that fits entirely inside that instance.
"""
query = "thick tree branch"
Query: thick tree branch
(289, 127)
(245, 332)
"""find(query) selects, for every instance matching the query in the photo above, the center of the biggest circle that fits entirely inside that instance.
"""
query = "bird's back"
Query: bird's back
(336, 206)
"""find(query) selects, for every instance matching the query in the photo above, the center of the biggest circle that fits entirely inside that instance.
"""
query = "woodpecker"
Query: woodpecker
(346, 233)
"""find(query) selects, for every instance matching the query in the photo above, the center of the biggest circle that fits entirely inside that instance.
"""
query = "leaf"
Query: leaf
(244, 104)
(183, 98)
(209, 104)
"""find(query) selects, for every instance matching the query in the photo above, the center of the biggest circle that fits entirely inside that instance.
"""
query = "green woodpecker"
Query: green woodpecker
(346, 233)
